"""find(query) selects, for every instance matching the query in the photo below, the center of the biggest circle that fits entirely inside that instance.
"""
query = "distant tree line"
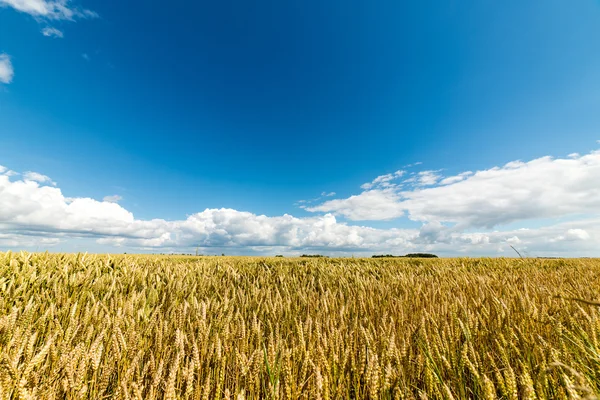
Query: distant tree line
(313, 255)
(410, 255)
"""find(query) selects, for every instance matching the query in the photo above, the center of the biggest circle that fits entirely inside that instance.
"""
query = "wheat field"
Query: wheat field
(78, 326)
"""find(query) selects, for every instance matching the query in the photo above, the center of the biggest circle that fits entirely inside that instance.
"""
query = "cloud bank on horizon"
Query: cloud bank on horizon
(556, 202)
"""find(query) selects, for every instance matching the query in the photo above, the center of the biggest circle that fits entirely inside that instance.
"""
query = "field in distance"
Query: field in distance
(159, 327)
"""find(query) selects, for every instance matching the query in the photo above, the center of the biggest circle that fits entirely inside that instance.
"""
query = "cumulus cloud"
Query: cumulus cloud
(370, 205)
(52, 32)
(325, 194)
(47, 9)
(542, 188)
(29, 207)
(30, 204)
(6, 69)
(235, 228)
(34, 213)
(112, 199)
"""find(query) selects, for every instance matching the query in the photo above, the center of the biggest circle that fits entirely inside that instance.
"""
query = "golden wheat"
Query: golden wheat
(158, 327)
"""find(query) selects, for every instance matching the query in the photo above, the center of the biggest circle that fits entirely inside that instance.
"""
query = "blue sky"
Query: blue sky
(252, 107)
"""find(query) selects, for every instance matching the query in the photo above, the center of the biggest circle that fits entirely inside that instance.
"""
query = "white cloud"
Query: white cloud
(423, 178)
(456, 178)
(304, 203)
(370, 205)
(34, 214)
(234, 228)
(541, 188)
(12, 240)
(574, 238)
(52, 32)
(6, 69)
(578, 234)
(513, 240)
(112, 199)
(45, 11)
(428, 178)
(572, 235)
(53, 10)
(518, 191)
(30, 208)
(383, 180)
(37, 177)
(6, 171)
